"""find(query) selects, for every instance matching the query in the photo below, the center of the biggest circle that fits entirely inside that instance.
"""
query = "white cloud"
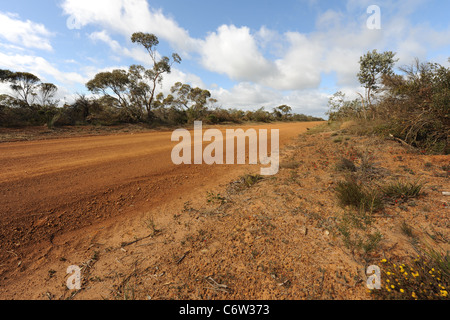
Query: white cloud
(250, 96)
(136, 53)
(142, 56)
(266, 63)
(177, 75)
(298, 60)
(39, 67)
(233, 51)
(25, 33)
(129, 16)
(246, 96)
(310, 102)
(300, 67)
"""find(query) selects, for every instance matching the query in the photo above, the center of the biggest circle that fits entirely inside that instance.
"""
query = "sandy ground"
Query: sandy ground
(78, 200)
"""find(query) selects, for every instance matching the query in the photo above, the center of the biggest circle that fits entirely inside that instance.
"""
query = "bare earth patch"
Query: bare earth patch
(251, 238)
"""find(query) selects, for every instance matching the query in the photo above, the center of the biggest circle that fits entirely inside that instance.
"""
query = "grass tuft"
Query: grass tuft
(350, 193)
(345, 164)
(401, 190)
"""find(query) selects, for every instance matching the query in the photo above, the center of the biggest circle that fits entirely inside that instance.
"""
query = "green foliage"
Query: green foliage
(245, 182)
(23, 84)
(357, 234)
(400, 190)
(148, 41)
(352, 194)
(32, 102)
(373, 66)
(251, 179)
(341, 109)
(154, 76)
(413, 106)
(47, 92)
(214, 198)
(283, 112)
(260, 115)
(117, 81)
(345, 164)
(423, 94)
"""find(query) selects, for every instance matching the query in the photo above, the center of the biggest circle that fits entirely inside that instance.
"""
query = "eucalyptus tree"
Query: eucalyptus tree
(373, 66)
(116, 82)
(283, 112)
(153, 77)
(46, 94)
(23, 84)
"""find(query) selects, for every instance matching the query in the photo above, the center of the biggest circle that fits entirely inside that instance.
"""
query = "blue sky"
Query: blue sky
(248, 53)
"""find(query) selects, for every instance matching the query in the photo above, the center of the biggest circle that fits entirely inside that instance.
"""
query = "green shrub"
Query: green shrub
(401, 190)
(350, 193)
(345, 164)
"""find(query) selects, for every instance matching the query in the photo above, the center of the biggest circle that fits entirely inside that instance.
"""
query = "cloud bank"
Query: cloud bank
(267, 67)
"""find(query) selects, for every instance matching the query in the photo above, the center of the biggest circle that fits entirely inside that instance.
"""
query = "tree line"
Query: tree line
(413, 105)
(125, 96)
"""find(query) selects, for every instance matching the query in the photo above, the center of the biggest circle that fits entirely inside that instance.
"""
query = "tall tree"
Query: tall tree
(5, 75)
(283, 112)
(373, 66)
(181, 92)
(139, 88)
(116, 81)
(46, 93)
(24, 85)
(160, 67)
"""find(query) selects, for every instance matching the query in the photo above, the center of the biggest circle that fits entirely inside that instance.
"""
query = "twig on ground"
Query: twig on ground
(182, 258)
(126, 244)
(216, 286)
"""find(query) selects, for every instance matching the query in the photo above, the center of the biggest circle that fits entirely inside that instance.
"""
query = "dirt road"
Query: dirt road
(50, 188)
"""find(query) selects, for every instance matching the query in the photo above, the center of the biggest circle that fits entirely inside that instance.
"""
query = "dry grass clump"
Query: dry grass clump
(345, 164)
(245, 182)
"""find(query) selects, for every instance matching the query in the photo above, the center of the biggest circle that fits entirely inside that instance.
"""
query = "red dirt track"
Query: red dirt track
(52, 188)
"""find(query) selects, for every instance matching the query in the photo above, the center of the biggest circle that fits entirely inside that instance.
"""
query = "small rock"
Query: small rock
(304, 230)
